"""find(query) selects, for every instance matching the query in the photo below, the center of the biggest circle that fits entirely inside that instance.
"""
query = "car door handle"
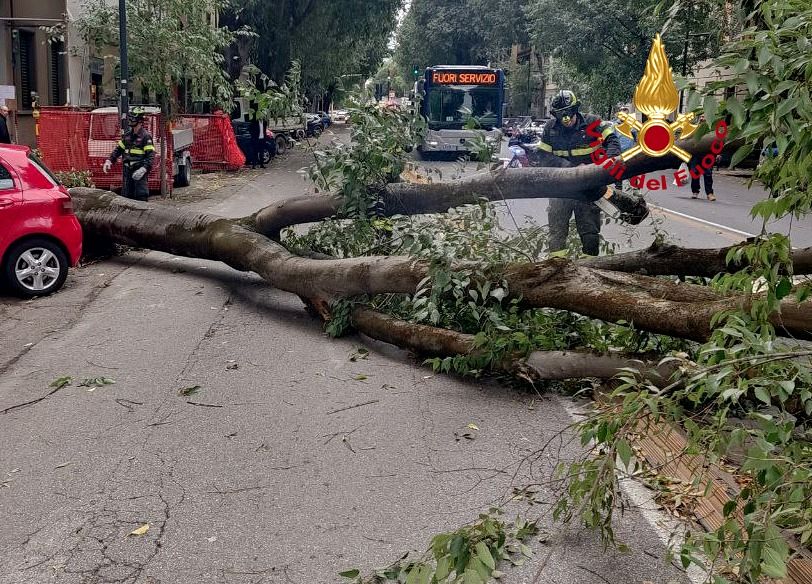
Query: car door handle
(6, 203)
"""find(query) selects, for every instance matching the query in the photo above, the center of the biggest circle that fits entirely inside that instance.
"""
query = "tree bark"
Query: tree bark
(653, 304)
(661, 259)
(537, 366)
(580, 182)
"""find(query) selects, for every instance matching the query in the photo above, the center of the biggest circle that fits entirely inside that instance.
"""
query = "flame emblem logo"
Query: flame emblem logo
(656, 96)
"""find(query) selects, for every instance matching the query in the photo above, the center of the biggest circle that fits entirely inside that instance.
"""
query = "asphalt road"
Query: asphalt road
(287, 461)
(684, 220)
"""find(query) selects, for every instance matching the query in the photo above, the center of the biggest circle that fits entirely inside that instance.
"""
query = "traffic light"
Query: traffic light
(416, 71)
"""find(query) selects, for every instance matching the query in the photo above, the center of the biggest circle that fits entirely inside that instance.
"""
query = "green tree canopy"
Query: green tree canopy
(601, 49)
(458, 32)
(169, 42)
(329, 38)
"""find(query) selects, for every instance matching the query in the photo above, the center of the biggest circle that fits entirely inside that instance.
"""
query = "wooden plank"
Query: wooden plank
(664, 448)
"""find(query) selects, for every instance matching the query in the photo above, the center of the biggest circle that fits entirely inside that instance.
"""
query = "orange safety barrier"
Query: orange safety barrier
(215, 145)
(71, 139)
(76, 139)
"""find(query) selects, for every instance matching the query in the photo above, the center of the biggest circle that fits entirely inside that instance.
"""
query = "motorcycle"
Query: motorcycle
(616, 203)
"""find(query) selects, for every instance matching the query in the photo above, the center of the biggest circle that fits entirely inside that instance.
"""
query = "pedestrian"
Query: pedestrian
(697, 171)
(696, 168)
(5, 136)
(565, 136)
(138, 152)
(256, 128)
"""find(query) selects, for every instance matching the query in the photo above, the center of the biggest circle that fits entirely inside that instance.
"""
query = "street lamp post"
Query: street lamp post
(125, 73)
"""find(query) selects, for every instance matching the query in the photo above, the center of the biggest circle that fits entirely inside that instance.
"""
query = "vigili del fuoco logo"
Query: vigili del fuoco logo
(656, 96)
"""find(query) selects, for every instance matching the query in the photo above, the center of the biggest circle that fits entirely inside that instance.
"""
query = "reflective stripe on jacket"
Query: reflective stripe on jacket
(574, 144)
(137, 149)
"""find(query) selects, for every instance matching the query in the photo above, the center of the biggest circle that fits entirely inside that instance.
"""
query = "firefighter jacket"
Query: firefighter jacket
(574, 144)
(137, 149)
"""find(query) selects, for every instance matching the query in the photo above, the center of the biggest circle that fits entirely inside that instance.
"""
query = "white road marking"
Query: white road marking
(668, 529)
(704, 221)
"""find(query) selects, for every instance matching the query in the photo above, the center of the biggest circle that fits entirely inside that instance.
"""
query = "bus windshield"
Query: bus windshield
(450, 107)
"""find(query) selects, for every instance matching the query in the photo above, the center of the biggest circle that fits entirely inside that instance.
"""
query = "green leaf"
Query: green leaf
(471, 577)
(787, 106)
(740, 154)
(443, 568)
(734, 107)
(710, 107)
(729, 507)
(350, 573)
(783, 289)
(484, 554)
(187, 391)
(624, 451)
(775, 553)
(762, 395)
(764, 55)
(784, 85)
(61, 382)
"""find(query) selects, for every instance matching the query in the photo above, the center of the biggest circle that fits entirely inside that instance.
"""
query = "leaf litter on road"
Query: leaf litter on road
(187, 391)
(140, 531)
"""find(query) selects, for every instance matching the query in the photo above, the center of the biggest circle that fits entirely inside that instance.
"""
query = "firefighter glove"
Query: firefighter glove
(139, 174)
(106, 166)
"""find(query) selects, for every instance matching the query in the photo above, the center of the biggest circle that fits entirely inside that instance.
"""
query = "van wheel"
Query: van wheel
(35, 267)
(281, 144)
(184, 178)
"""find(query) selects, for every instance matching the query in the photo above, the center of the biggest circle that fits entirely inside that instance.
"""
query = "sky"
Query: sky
(401, 15)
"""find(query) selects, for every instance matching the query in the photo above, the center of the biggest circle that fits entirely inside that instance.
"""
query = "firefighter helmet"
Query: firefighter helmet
(136, 116)
(564, 106)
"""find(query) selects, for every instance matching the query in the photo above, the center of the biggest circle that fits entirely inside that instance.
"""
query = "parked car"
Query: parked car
(340, 115)
(41, 237)
(326, 120)
(242, 131)
(315, 125)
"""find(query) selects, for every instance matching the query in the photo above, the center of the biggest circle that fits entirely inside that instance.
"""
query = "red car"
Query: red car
(40, 236)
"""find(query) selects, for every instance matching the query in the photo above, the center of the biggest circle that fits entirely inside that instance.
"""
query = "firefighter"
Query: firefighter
(565, 136)
(139, 153)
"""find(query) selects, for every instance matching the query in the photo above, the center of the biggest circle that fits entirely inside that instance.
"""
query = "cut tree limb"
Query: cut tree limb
(652, 304)
(581, 182)
(537, 366)
(662, 259)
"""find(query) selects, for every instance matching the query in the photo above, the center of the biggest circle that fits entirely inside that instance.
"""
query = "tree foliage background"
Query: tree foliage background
(458, 32)
(329, 38)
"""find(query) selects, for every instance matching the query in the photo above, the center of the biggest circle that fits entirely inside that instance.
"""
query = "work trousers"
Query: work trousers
(135, 189)
(587, 221)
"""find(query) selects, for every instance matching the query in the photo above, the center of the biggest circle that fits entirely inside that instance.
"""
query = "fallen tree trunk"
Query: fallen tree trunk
(515, 183)
(537, 366)
(656, 305)
(661, 259)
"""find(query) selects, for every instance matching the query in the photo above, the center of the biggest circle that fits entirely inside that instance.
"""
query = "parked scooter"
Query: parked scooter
(617, 204)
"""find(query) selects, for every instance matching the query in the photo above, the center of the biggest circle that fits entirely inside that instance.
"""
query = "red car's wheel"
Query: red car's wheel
(35, 267)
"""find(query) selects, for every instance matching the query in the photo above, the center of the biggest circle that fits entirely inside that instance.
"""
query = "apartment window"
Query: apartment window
(56, 73)
(27, 69)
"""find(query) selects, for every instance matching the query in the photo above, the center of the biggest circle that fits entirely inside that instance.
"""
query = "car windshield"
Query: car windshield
(451, 107)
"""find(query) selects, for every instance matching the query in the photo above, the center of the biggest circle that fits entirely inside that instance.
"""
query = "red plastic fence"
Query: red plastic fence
(71, 139)
(215, 145)
(78, 140)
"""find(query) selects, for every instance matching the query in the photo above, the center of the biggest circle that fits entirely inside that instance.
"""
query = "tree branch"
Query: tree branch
(537, 366)
(583, 182)
(653, 304)
(665, 259)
